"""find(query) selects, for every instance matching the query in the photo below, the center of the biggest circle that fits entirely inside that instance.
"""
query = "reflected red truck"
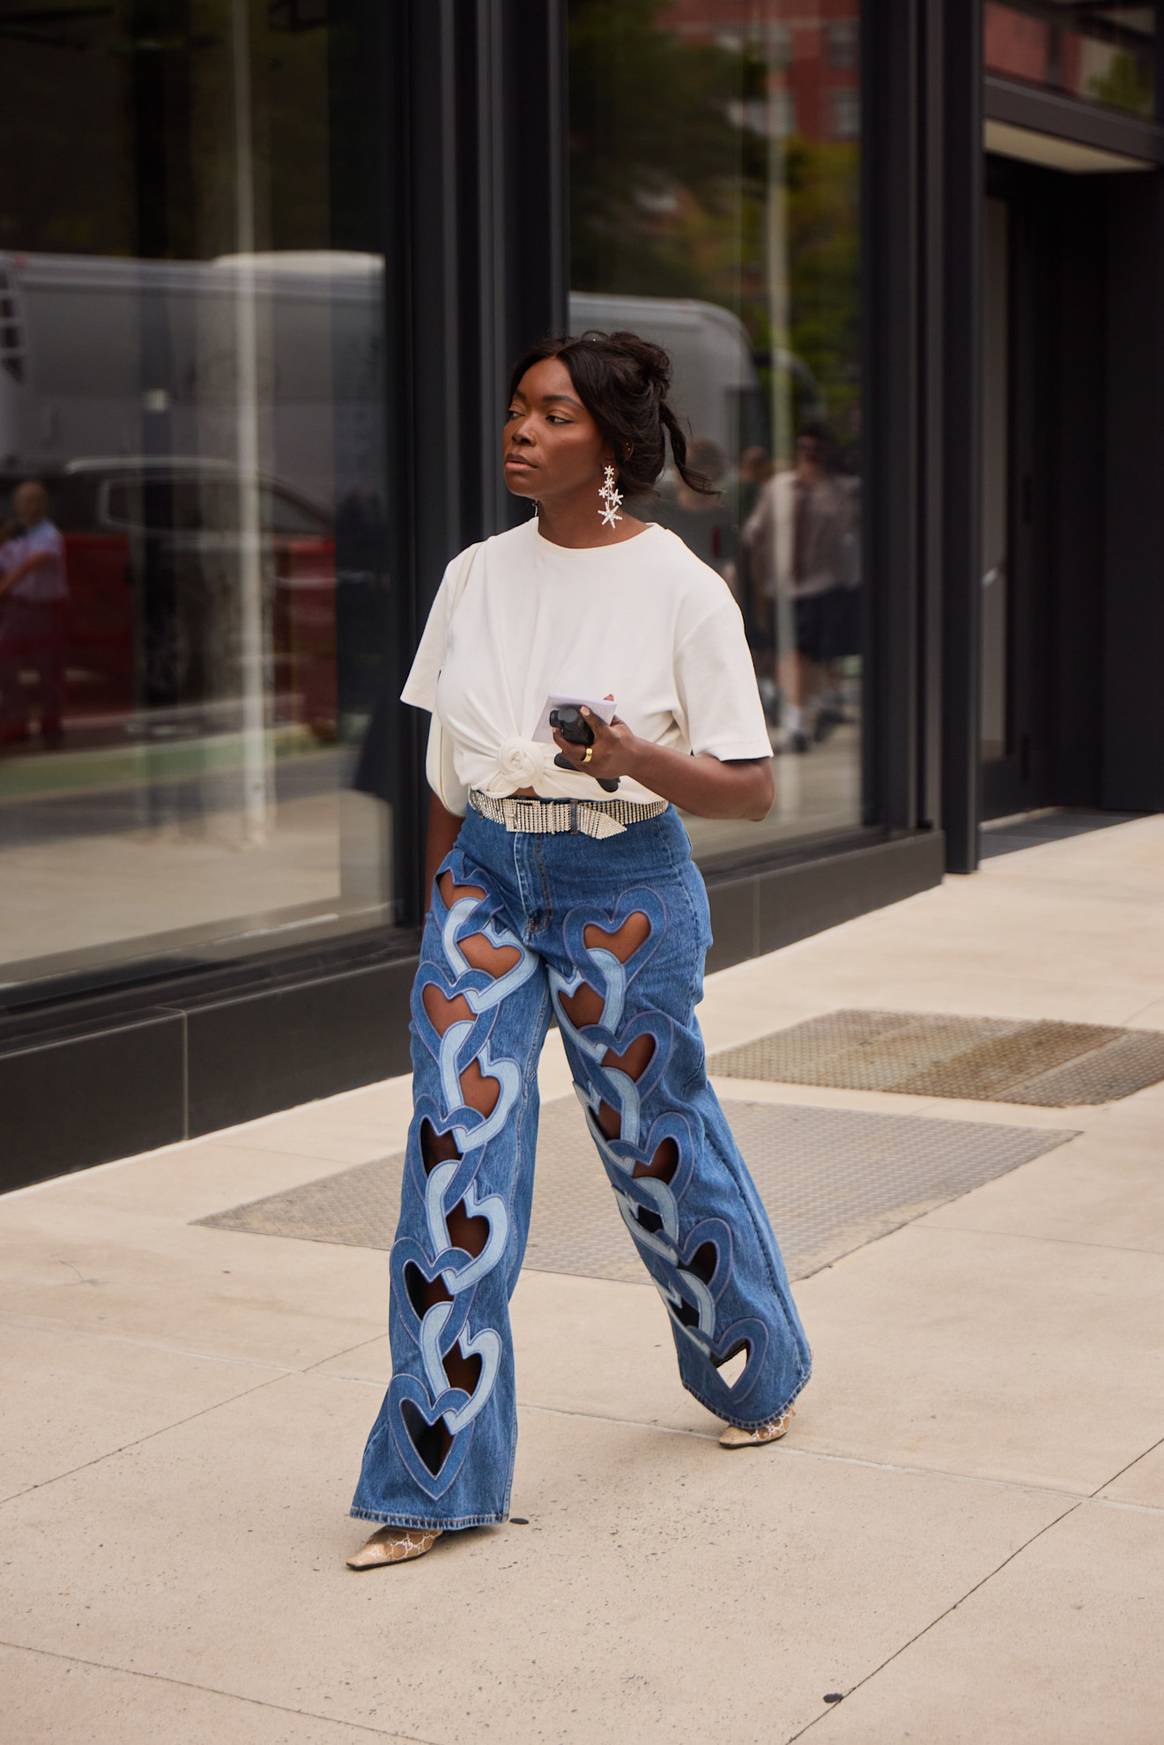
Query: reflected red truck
(160, 557)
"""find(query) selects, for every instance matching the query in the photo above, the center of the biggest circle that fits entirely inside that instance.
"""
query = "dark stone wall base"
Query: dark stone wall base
(760, 913)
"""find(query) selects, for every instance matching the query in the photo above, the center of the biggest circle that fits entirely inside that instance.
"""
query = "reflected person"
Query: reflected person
(34, 601)
(846, 631)
(795, 537)
(755, 470)
(705, 521)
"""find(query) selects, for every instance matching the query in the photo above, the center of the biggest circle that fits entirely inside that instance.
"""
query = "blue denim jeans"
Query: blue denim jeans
(610, 934)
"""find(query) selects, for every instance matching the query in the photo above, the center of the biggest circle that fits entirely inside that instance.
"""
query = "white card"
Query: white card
(603, 707)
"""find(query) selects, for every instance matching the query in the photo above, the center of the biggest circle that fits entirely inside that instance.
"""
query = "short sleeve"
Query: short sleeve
(420, 685)
(716, 684)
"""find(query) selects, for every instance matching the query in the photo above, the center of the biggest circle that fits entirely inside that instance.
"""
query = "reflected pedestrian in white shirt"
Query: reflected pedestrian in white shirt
(795, 535)
(34, 599)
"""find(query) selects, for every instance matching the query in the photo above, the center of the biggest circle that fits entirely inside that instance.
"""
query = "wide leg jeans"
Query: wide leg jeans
(611, 935)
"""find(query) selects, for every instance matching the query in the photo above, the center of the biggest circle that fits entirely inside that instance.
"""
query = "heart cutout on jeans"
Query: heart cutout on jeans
(741, 1348)
(584, 1006)
(749, 1335)
(417, 1288)
(475, 1085)
(706, 1254)
(431, 1441)
(451, 892)
(464, 1371)
(666, 1158)
(433, 1453)
(635, 1060)
(629, 935)
(495, 960)
(704, 1263)
(465, 1231)
(663, 1164)
(609, 1120)
(423, 1292)
(437, 1145)
(443, 1013)
(686, 1312)
(470, 1214)
(434, 1139)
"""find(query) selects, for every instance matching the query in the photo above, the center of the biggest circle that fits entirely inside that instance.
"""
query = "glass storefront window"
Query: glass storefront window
(192, 416)
(1100, 53)
(715, 209)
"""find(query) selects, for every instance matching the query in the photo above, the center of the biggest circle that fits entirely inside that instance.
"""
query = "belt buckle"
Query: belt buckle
(573, 803)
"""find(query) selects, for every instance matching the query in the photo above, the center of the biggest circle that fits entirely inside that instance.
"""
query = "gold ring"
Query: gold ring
(588, 754)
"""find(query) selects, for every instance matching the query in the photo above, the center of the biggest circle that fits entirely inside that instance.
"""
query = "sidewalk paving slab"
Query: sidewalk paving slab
(94, 1395)
(52, 1697)
(1142, 1482)
(660, 1577)
(283, 1303)
(1012, 1357)
(1062, 1645)
(1105, 1188)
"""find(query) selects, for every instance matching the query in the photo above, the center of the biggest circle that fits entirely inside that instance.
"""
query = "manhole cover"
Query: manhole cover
(831, 1179)
(996, 1060)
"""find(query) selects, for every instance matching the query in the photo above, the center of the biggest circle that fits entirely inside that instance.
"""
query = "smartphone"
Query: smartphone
(573, 725)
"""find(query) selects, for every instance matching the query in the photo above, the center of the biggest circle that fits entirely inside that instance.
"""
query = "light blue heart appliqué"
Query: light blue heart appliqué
(498, 987)
(434, 1347)
(491, 1208)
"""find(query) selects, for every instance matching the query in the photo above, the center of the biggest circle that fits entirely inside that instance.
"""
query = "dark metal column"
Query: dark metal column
(960, 432)
(521, 156)
(931, 457)
(891, 159)
(488, 246)
(485, 267)
(1132, 730)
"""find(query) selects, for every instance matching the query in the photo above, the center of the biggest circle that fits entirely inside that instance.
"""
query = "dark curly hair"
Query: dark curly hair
(623, 382)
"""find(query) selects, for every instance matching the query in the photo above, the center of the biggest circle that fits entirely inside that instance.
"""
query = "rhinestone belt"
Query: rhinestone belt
(590, 817)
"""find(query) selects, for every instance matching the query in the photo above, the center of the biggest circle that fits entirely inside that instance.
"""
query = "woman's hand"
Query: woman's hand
(613, 751)
(704, 785)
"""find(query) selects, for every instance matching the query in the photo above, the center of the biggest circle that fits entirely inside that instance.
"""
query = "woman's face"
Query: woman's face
(550, 445)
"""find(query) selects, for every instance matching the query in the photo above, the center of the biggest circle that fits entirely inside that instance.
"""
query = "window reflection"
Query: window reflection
(721, 220)
(1099, 50)
(192, 402)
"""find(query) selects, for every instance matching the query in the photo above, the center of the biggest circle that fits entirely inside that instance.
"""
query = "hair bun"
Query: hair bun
(652, 360)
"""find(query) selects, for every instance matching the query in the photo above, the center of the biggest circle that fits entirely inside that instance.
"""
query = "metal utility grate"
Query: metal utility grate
(996, 1060)
(831, 1179)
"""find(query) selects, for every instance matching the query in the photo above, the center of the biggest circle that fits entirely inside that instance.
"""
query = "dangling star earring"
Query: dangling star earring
(611, 499)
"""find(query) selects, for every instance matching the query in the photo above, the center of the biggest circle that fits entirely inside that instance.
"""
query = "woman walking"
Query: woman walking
(548, 892)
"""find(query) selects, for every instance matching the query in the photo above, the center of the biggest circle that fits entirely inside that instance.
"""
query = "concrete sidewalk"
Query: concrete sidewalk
(963, 1535)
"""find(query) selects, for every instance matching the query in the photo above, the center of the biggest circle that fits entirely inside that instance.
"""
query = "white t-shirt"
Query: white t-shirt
(644, 619)
(46, 584)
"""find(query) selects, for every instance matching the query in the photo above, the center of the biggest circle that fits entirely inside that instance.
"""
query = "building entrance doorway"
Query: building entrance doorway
(1069, 609)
